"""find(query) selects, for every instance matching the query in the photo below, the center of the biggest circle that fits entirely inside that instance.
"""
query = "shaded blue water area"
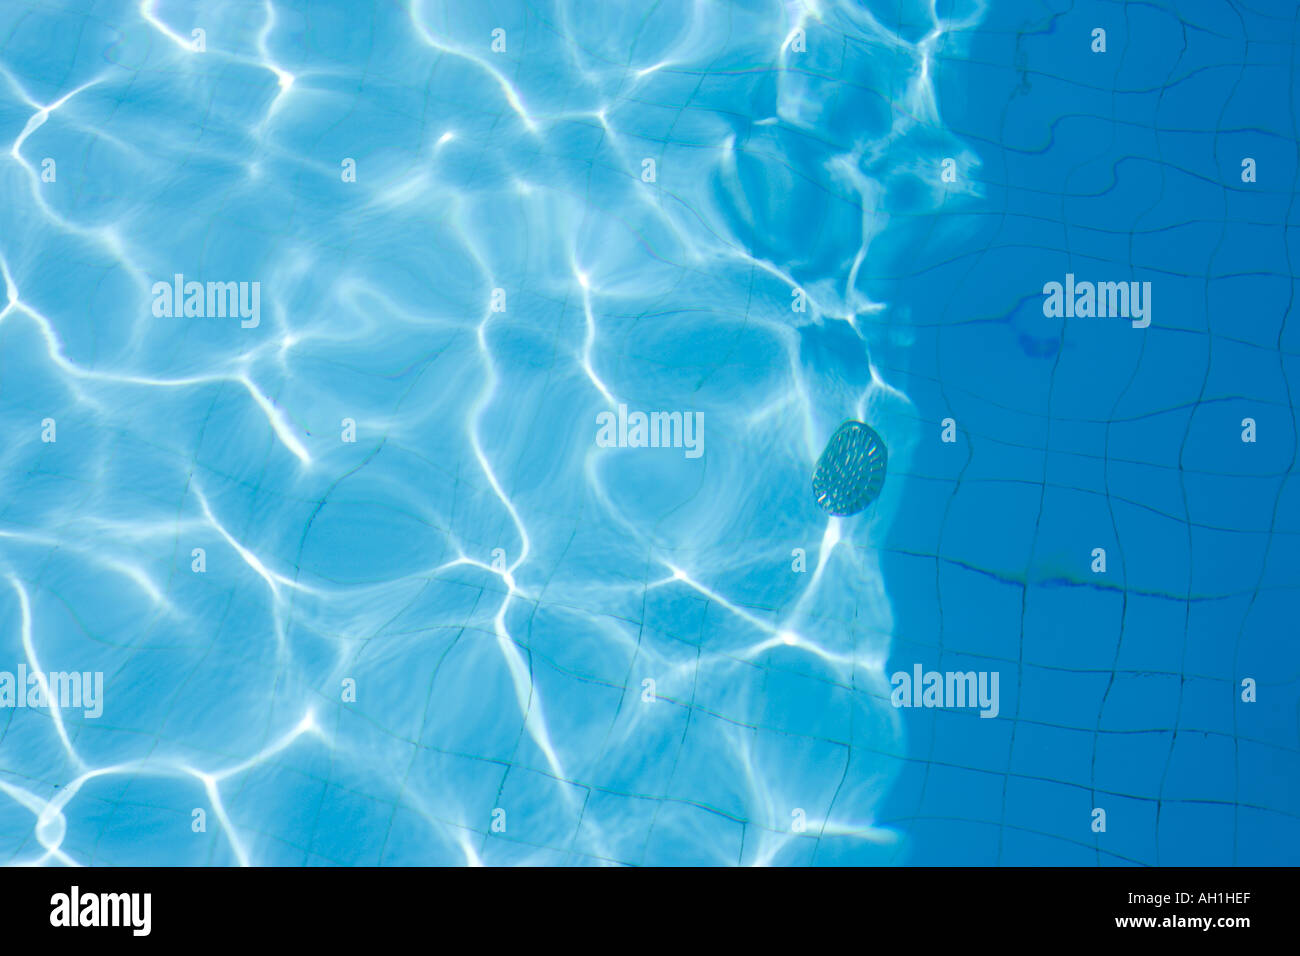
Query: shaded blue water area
(1170, 158)
(412, 416)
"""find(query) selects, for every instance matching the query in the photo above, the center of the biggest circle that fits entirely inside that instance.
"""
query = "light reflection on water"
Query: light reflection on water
(653, 194)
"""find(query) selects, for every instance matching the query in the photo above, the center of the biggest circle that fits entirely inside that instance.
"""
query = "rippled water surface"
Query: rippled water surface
(365, 579)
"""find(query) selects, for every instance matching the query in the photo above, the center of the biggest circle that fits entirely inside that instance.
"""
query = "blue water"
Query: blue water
(367, 582)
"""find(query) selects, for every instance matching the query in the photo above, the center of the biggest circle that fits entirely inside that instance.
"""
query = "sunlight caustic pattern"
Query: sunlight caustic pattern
(361, 584)
(415, 417)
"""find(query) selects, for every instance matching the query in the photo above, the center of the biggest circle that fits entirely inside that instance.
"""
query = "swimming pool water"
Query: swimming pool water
(410, 413)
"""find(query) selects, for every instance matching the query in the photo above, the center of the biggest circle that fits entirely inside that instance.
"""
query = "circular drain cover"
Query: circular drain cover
(851, 471)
